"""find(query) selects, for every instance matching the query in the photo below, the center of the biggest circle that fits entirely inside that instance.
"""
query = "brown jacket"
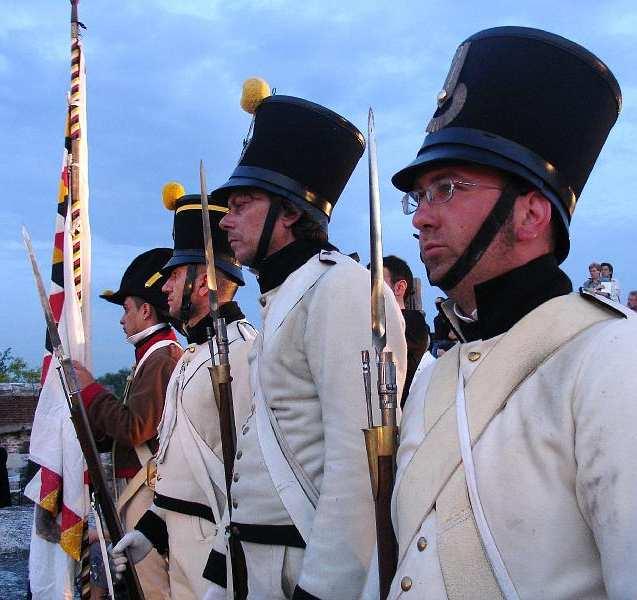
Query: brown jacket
(136, 422)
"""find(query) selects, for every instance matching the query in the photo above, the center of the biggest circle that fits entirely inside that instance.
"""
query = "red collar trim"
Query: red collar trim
(158, 336)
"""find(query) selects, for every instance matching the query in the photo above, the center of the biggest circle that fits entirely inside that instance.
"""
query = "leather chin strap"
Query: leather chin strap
(481, 241)
(266, 233)
(184, 311)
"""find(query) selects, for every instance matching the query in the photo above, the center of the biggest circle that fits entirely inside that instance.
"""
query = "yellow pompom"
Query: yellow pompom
(171, 193)
(255, 90)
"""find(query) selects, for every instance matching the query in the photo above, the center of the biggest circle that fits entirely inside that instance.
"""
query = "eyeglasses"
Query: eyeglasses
(438, 192)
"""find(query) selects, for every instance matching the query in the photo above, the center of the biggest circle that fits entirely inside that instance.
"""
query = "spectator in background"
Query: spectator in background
(610, 291)
(399, 278)
(594, 282)
(444, 337)
(632, 300)
(5, 491)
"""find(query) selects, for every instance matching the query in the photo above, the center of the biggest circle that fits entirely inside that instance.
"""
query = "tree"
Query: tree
(115, 382)
(14, 369)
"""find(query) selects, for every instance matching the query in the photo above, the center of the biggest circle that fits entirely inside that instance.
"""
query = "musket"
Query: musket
(222, 389)
(82, 427)
(380, 440)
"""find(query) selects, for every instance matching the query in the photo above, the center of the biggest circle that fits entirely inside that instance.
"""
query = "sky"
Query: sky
(164, 81)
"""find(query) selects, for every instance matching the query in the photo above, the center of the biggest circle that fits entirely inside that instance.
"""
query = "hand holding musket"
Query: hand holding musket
(222, 388)
(381, 440)
(82, 428)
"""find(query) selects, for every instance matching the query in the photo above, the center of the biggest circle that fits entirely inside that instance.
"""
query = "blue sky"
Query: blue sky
(164, 80)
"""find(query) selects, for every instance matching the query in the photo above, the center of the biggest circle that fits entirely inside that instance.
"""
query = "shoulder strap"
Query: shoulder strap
(438, 457)
(155, 346)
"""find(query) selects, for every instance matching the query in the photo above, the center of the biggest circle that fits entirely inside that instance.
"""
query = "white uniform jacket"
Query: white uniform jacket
(555, 468)
(314, 327)
(190, 476)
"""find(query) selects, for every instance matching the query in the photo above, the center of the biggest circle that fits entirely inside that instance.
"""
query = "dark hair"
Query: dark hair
(610, 267)
(399, 270)
(306, 228)
(159, 314)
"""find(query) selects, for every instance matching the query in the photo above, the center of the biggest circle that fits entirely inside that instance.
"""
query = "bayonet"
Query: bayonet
(379, 334)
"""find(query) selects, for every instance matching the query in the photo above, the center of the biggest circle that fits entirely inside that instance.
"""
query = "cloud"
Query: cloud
(164, 81)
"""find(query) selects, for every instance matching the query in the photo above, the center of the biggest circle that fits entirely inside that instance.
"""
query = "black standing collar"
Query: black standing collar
(198, 333)
(504, 300)
(274, 269)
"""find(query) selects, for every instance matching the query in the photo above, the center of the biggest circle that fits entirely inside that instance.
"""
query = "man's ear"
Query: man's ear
(147, 311)
(289, 216)
(400, 287)
(533, 216)
(202, 284)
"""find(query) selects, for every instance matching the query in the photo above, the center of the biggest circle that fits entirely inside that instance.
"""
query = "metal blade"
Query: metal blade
(379, 335)
(213, 299)
(51, 326)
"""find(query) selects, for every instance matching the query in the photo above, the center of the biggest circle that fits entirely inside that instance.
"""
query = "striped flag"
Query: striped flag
(60, 486)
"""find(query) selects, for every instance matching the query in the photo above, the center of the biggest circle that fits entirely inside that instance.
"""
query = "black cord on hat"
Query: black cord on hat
(186, 302)
(266, 233)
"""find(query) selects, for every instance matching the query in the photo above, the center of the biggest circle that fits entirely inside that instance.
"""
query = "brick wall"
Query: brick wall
(17, 405)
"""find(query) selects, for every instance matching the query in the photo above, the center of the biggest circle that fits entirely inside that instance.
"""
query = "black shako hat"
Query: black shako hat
(189, 240)
(527, 102)
(143, 278)
(301, 151)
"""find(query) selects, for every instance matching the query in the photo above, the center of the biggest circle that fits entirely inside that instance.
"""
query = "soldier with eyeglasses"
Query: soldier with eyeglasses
(512, 478)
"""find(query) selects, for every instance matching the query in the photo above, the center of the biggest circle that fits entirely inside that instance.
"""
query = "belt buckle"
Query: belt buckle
(151, 473)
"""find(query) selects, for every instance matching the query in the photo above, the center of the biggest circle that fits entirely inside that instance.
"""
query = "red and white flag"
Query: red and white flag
(60, 486)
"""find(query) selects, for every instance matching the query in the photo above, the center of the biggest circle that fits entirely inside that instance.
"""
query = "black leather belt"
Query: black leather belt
(184, 507)
(273, 535)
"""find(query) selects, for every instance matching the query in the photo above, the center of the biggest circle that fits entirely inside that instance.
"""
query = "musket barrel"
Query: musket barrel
(222, 388)
(381, 440)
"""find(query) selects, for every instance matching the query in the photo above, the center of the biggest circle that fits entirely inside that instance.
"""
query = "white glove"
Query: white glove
(215, 592)
(136, 543)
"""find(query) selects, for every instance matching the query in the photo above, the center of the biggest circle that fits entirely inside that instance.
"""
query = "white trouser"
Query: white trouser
(272, 570)
(190, 541)
(152, 570)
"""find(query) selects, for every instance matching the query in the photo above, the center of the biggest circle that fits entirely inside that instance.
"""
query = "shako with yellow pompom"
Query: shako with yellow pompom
(298, 150)
(188, 232)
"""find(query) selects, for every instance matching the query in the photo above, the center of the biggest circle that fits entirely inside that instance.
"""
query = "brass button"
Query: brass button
(239, 454)
(473, 356)
(235, 504)
(406, 583)
(235, 477)
(421, 544)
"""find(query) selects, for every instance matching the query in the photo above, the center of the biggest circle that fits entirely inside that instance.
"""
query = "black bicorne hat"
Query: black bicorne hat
(301, 151)
(143, 278)
(189, 240)
(527, 102)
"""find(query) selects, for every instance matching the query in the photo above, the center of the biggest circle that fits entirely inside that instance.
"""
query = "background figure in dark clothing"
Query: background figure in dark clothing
(399, 278)
(5, 493)
(443, 337)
